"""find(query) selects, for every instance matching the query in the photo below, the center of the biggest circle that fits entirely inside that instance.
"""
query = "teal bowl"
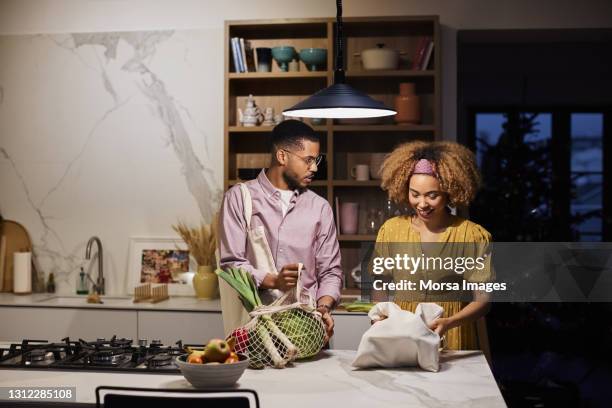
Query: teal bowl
(314, 58)
(283, 56)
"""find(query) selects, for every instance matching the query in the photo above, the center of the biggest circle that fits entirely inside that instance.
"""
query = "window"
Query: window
(587, 175)
(535, 188)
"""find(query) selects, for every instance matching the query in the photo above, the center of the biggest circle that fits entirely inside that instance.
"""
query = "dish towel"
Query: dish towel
(402, 339)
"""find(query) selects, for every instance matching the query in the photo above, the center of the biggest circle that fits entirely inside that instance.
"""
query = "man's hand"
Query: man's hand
(287, 277)
(285, 280)
(327, 320)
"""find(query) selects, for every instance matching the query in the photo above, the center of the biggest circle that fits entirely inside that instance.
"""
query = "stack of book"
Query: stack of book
(423, 55)
(242, 55)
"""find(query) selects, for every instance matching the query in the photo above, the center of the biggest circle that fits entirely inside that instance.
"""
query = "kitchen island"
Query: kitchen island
(464, 380)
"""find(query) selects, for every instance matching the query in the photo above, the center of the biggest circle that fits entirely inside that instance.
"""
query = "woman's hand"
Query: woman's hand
(441, 325)
(381, 318)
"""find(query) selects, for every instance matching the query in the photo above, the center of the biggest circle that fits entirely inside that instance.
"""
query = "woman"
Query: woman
(431, 177)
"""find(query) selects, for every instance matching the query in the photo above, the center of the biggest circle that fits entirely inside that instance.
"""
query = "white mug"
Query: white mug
(361, 172)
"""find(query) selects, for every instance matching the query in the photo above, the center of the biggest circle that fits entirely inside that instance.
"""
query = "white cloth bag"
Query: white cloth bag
(233, 312)
(403, 339)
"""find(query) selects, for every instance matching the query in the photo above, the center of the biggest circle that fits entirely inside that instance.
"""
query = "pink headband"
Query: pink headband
(424, 166)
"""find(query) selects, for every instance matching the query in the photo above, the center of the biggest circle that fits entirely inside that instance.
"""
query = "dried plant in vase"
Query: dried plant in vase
(202, 243)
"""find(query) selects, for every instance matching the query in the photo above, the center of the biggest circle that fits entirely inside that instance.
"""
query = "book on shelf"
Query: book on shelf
(243, 56)
(237, 54)
(250, 56)
(427, 55)
(234, 55)
(420, 52)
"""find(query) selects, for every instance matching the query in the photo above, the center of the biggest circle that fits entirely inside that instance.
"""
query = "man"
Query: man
(298, 224)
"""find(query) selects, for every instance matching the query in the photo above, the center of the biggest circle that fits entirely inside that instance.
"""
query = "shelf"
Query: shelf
(357, 237)
(315, 183)
(355, 183)
(323, 74)
(342, 128)
(277, 75)
(265, 129)
(383, 128)
(391, 73)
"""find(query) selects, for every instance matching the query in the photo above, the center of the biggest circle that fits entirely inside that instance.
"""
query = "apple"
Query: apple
(240, 338)
(217, 350)
(195, 358)
(233, 358)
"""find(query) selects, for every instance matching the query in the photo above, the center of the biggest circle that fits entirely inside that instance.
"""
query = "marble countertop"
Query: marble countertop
(464, 380)
(174, 303)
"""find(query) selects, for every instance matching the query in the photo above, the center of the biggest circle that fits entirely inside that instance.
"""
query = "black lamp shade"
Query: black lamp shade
(339, 101)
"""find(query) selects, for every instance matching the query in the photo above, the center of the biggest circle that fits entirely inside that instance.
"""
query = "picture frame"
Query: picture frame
(161, 260)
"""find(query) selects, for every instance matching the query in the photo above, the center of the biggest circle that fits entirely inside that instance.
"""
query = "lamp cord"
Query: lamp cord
(339, 72)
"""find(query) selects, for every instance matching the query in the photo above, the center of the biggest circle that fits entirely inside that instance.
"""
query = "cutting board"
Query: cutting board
(13, 238)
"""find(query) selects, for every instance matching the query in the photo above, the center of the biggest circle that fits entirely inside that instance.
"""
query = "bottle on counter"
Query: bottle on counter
(51, 283)
(81, 287)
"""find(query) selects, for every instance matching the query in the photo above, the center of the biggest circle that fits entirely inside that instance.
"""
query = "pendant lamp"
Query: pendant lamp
(340, 100)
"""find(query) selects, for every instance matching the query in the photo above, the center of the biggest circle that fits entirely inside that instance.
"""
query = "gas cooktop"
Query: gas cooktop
(116, 354)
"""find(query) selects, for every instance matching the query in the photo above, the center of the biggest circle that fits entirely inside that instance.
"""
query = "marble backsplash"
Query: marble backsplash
(111, 134)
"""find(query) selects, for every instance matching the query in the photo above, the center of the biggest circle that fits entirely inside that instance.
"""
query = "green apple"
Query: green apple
(217, 350)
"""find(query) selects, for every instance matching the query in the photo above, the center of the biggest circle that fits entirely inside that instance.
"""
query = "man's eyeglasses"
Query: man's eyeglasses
(309, 160)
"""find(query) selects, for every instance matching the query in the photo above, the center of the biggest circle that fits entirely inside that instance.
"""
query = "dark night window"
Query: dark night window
(587, 175)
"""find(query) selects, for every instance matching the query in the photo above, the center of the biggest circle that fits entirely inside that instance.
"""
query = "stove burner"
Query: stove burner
(160, 360)
(36, 355)
(108, 357)
(114, 354)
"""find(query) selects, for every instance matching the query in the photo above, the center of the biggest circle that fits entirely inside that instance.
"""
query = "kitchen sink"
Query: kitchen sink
(82, 300)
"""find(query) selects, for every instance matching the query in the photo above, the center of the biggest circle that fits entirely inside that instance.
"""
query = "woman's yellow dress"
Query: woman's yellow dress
(400, 230)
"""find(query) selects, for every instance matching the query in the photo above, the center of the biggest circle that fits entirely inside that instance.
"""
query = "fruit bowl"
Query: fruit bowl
(212, 375)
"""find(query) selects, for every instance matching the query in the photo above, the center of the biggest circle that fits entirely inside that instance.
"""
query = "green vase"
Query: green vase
(205, 283)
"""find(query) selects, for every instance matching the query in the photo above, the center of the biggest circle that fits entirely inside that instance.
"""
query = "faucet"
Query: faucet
(99, 284)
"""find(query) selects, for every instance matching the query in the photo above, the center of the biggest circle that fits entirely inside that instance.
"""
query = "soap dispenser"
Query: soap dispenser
(81, 287)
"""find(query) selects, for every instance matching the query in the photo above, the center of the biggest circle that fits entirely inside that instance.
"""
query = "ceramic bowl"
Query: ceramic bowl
(212, 375)
(283, 56)
(314, 58)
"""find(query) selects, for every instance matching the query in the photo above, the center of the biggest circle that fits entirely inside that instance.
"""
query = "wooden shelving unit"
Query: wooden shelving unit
(277, 75)
(344, 143)
(395, 73)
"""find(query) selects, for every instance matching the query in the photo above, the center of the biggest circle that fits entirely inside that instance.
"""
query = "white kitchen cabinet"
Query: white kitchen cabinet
(348, 330)
(169, 326)
(53, 324)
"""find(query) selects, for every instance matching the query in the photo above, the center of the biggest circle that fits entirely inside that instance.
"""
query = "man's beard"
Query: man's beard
(292, 182)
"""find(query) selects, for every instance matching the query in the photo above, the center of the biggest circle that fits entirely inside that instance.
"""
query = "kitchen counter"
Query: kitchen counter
(464, 380)
(175, 303)
(52, 317)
